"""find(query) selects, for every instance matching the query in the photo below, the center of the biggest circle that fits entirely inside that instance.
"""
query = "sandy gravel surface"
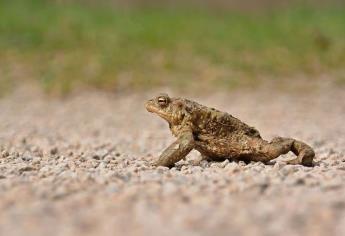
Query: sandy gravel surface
(81, 166)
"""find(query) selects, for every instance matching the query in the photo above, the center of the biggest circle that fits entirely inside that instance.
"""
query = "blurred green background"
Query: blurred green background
(121, 45)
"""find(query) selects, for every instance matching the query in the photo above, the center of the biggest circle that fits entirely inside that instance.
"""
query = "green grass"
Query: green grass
(63, 46)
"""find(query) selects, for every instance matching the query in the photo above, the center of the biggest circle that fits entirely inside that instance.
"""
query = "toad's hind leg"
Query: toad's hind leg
(266, 151)
(305, 154)
(279, 146)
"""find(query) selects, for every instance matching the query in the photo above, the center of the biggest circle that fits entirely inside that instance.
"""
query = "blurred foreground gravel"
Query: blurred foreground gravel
(81, 166)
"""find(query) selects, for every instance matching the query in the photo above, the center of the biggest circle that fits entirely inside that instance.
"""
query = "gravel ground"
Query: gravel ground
(81, 166)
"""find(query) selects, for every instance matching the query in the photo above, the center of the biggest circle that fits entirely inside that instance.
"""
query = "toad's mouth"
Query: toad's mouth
(150, 107)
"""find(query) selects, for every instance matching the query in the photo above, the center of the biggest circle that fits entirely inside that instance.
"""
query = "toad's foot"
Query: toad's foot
(177, 150)
(305, 154)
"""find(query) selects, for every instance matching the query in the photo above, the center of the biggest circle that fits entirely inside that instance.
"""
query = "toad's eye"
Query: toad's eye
(163, 101)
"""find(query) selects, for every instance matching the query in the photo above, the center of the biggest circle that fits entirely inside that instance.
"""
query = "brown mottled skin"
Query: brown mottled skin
(218, 135)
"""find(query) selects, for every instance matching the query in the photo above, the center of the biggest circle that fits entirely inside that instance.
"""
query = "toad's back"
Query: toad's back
(212, 122)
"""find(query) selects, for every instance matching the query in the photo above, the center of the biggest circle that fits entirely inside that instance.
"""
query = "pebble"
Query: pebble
(232, 167)
(27, 157)
(204, 164)
(26, 168)
(279, 165)
(162, 169)
(5, 154)
(288, 169)
(54, 151)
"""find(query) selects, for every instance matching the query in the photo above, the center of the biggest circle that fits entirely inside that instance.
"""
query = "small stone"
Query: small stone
(26, 168)
(242, 163)
(186, 170)
(288, 169)
(204, 164)
(102, 165)
(27, 157)
(214, 165)
(183, 168)
(54, 151)
(219, 164)
(162, 169)
(196, 169)
(258, 168)
(300, 181)
(279, 165)
(141, 168)
(5, 154)
(100, 154)
(224, 163)
(324, 165)
(108, 159)
(232, 167)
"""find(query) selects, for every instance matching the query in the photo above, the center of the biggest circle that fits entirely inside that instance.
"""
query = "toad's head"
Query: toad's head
(170, 109)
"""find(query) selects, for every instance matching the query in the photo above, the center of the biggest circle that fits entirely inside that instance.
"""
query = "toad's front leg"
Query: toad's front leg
(177, 150)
